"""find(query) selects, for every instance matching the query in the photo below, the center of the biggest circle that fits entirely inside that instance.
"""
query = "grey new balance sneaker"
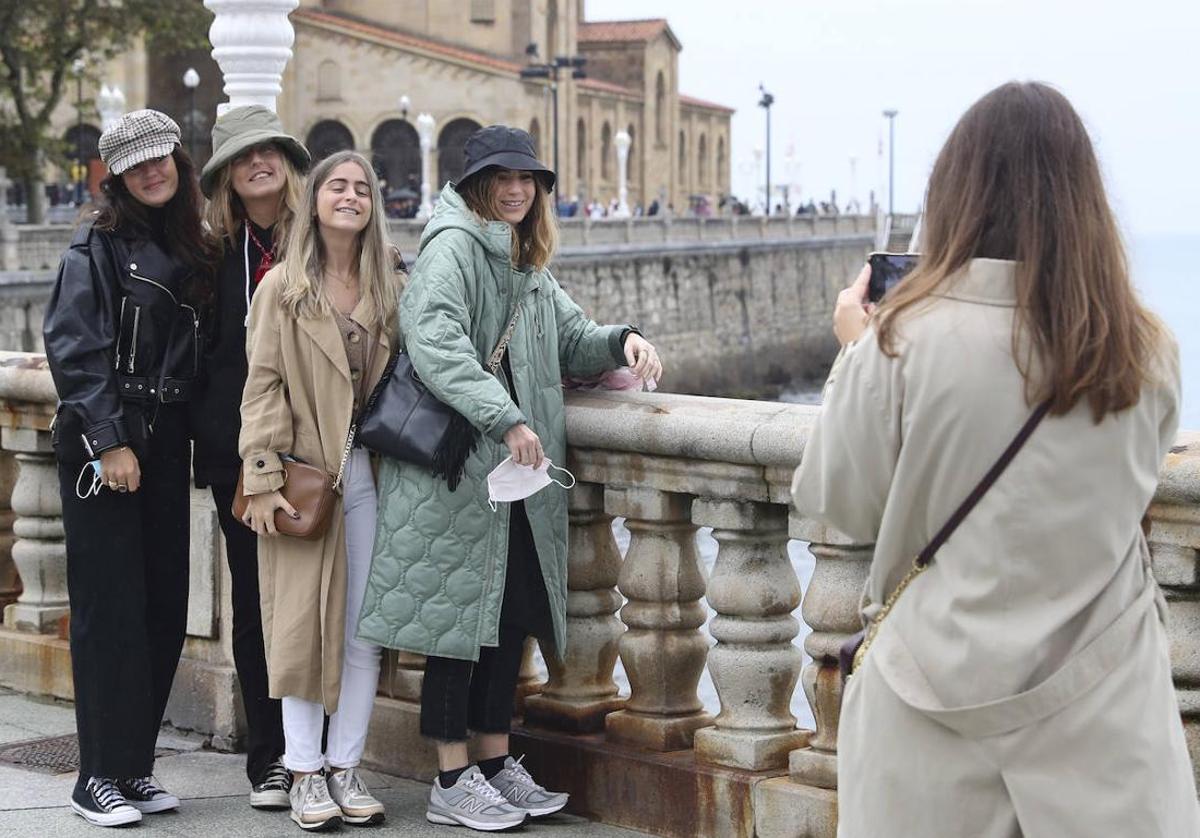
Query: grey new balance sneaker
(520, 790)
(350, 794)
(473, 802)
(312, 807)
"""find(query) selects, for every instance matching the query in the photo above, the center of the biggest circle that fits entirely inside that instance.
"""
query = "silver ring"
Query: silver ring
(122, 488)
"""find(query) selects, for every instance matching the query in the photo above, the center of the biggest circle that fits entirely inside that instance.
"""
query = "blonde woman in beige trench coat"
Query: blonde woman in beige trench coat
(319, 338)
(1021, 685)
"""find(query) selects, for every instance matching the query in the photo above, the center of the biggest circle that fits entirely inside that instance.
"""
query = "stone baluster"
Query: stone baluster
(529, 678)
(10, 580)
(39, 553)
(754, 665)
(831, 609)
(663, 650)
(581, 691)
(252, 43)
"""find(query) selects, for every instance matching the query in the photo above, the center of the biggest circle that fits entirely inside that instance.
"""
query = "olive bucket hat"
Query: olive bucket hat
(499, 146)
(240, 129)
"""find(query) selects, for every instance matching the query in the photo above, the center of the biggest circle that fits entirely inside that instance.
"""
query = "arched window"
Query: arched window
(326, 137)
(396, 155)
(632, 171)
(451, 153)
(683, 173)
(660, 110)
(86, 139)
(535, 131)
(551, 31)
(329, 80)
(581, 154)
(720, 162)
(702, 161)
(606, 150)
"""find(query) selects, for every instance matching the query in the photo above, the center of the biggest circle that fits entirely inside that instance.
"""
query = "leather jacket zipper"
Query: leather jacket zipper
(158, 285)
(195, 339)
(137, 319)
(120, 326)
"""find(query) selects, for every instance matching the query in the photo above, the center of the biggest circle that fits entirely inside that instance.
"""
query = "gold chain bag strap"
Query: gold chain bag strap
(854, 650)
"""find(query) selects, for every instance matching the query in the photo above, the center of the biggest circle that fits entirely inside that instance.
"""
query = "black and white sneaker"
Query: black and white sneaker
(147, 796)
(100, 802)
(272, 792)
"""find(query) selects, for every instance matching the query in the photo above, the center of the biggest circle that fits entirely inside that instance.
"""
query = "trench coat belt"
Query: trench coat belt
(1084, 670)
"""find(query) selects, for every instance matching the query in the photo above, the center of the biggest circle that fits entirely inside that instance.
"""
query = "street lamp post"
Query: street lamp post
(890, 113)
(550, 71)
(623, 142)
(425, 126)
(765, 103)
(191, 80)
(77, 68)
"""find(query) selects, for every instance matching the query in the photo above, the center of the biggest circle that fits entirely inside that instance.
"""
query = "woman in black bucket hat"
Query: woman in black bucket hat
(253, 182)
(121, 334)
(466, 568)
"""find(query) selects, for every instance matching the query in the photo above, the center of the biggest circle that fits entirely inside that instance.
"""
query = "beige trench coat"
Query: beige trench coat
(1021, 685)
(299, 400)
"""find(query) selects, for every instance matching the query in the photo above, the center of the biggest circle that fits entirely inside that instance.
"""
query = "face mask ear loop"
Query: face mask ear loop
(570, 485)
(492, 504)
(94, 489)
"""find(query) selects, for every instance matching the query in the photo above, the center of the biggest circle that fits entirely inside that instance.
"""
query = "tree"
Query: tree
(39, 43)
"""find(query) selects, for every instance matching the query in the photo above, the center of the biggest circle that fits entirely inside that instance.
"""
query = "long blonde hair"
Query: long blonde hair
(535, 239)
(225, 211)
(303, 293)
(1018, 179)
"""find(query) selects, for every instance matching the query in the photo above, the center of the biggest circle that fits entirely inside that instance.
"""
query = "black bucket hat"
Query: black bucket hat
(499, 146)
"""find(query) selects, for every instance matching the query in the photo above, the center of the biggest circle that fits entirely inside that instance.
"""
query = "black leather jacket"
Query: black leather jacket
(119, 340)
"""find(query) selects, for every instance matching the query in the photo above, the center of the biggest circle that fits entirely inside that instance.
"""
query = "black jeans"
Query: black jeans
(127, 580)
(461, 694)
(264, 720)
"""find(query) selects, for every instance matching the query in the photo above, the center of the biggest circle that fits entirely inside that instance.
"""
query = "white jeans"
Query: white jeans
(302, 720)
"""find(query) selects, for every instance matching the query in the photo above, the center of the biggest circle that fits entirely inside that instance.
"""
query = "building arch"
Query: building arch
(702, 161)
(452, 140)
(606, 151)
(683, 160)
(632, 164)
(721, 176)
(86, 138)
(660, 110)
(396, 154)
(326, 137)
(581, 174)
(329, 81)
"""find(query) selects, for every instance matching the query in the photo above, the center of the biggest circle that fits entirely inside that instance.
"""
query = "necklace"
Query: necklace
(268, 256)
(346, 282)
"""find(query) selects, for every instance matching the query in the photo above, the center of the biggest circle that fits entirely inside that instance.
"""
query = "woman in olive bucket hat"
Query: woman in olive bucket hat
(253, 182)
(470, 563)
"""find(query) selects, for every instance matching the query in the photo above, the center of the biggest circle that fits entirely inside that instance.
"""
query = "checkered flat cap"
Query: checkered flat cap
(138, 137)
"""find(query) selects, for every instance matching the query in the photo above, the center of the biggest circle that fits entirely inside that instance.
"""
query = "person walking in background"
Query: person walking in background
(321, 328)
(459, 574)
(121, 332)
(253, 182)
(1019, 681)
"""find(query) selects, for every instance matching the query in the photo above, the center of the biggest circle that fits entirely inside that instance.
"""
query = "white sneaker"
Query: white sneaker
(312, 807)
(473, 802)
(101, 803)
(519, 789)
(349, 792)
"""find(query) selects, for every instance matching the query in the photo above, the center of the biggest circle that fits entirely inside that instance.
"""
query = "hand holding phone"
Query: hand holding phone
(887, 269)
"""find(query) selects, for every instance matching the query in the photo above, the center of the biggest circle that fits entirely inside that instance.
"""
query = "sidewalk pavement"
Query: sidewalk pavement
(213, 788)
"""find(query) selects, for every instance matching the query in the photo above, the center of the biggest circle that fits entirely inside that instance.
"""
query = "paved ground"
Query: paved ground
(213, 788)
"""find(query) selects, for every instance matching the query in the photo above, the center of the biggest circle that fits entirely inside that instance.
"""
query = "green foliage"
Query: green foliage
(40, 41)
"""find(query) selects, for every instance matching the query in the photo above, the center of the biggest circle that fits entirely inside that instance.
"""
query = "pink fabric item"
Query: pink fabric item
(622, 378)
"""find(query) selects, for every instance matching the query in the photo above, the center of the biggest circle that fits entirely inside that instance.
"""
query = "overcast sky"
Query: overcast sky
(1130, 68)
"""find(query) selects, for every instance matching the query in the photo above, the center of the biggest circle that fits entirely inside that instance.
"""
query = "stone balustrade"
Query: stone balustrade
(655, 758)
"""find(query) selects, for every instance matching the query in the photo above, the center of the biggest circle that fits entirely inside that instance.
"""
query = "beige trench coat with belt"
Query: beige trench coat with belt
(298, 400)
(1021, 685)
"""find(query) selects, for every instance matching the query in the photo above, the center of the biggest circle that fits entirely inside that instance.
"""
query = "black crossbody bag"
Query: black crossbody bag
(853, 651)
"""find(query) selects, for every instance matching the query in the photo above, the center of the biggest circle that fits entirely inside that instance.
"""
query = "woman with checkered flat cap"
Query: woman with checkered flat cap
(122, 334)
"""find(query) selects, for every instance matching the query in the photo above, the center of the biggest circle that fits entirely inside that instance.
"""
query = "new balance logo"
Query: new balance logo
(472, 804)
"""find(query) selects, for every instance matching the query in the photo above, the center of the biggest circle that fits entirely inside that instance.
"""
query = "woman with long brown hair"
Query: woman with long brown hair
(472, 560)
(1018, 681)
(121, 332)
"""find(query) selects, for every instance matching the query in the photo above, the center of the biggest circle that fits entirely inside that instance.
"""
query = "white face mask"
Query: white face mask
(88, 483)
(509, 481)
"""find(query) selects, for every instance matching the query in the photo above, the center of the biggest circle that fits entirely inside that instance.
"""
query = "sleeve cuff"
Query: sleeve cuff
(510, 417)
(616, 342)
(262, 473)
(105, 435)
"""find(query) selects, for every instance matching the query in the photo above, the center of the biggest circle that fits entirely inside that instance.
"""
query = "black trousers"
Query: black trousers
(127, 581)
(264, 719)
(457, 695)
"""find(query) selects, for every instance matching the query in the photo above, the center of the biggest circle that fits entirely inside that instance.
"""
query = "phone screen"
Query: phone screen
(887, 269)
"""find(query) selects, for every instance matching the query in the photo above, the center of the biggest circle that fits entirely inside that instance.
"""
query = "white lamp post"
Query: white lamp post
(191, 80)
(623, 141)
(252, 42)
(425, 126)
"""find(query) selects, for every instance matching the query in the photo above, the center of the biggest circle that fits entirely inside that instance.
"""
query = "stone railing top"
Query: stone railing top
(745, 433)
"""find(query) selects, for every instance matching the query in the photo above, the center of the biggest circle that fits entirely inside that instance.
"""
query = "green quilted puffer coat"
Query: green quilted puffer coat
(438, 572)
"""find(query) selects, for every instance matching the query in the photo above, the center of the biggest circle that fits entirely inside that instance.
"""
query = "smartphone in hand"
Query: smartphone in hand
(887, 269)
